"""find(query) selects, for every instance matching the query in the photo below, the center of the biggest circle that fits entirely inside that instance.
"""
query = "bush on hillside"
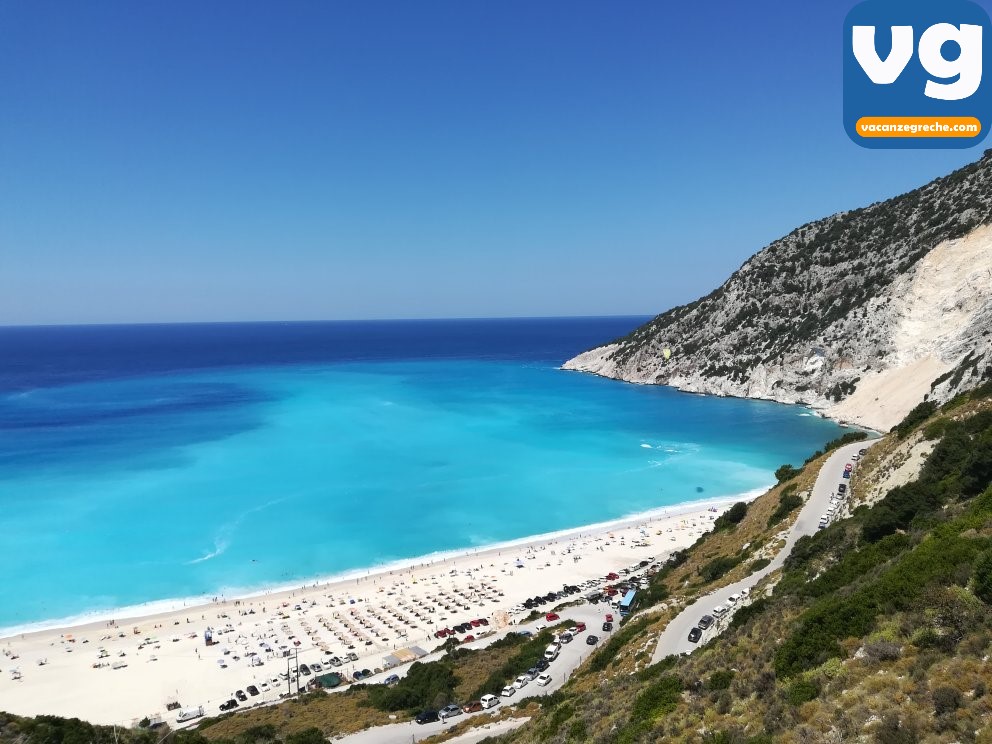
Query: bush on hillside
(982, 577)
(786, 473)
(920, 413)
(732, 517)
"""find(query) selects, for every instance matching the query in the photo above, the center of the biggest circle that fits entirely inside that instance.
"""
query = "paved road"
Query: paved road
(675, 638)
(571, 655)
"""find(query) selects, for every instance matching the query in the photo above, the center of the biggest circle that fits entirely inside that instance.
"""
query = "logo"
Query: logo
(915, 75)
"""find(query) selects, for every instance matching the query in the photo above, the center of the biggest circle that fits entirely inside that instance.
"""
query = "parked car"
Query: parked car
(734, 598)
(544, 680)
(521, 681)
(609, 617)
(392, 679)
(841, 487)
(592, 640)
(862, 451)
(240, 695)
(579, 628)
(489, 701)
(252, 690)
(607, 626)
(427, 716)
(474, 707)
(551, 617)
(541, 664)
(565, 637)
(316, 667)
(263, 686)
(508, 691)
(229, 705)
(705, 621)
(719, 611)
(304, 670)
(695, 634)
(847, 473)
(449, 711)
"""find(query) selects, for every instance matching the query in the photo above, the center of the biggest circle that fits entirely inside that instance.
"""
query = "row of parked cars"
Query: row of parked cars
(529, 604)
(538, 674)
(718, 613)
(837, 500)
(465, 627)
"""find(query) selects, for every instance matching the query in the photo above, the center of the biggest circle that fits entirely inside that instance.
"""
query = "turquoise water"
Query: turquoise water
(122, 490)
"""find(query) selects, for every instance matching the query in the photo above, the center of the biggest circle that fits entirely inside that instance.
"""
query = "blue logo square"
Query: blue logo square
(915, 74)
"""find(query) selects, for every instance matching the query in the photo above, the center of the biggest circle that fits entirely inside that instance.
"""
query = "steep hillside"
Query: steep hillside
(861, 314)
(877, 629)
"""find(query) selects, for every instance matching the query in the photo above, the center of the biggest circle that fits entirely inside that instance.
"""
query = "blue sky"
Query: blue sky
(318, 160)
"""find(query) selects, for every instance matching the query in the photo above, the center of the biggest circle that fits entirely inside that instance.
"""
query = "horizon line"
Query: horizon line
(113, 324)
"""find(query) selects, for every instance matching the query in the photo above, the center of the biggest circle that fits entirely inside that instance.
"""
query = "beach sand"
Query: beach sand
(123, 670)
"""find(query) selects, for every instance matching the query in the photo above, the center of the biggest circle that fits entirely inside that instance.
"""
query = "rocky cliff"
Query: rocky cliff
(860, 315)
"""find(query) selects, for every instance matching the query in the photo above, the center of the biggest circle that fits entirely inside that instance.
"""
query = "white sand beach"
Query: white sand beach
(122, 670)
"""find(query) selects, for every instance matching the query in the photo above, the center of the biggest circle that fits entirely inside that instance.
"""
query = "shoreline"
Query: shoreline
(129, 614)
(821, 412)
(120, 671)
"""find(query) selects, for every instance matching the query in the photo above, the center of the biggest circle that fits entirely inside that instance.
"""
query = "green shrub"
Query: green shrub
(802, 691)
(747, 612)
(758, 565)
(786, 473)
(310, 735)
(732, 517)
(946, 700)
(982, 577)
(718, 567)
(720, 680)
(915, 417)
(422, 687)
(788, 503)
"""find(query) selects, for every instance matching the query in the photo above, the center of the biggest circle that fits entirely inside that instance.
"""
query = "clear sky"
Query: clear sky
(188, 160)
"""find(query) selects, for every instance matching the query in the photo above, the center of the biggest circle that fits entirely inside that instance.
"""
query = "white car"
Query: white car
(734, 598)
(490, 701)
(745, 592)
(263, 686)
(544, 679)
(520, 682)
(508, 691)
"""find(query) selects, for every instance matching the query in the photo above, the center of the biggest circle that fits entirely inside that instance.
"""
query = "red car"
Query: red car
(476, 623)
(468, 638)
(612, 577)
(551, 617)
(609, 617)
(483, 621)
(580, 627)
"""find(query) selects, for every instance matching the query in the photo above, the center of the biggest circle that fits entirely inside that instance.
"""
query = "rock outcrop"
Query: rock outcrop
(860, 315)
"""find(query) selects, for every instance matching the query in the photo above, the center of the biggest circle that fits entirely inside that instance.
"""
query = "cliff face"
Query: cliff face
(859, 315)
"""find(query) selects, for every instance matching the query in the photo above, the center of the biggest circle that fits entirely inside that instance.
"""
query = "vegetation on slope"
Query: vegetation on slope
(878, 628)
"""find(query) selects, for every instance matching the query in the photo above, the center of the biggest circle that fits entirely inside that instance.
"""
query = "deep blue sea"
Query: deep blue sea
(142, 463)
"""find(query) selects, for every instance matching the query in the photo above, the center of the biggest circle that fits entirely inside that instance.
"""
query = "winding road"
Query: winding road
(675, 638)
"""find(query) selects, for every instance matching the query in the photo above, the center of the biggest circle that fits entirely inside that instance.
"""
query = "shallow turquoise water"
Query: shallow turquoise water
(199, 482)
